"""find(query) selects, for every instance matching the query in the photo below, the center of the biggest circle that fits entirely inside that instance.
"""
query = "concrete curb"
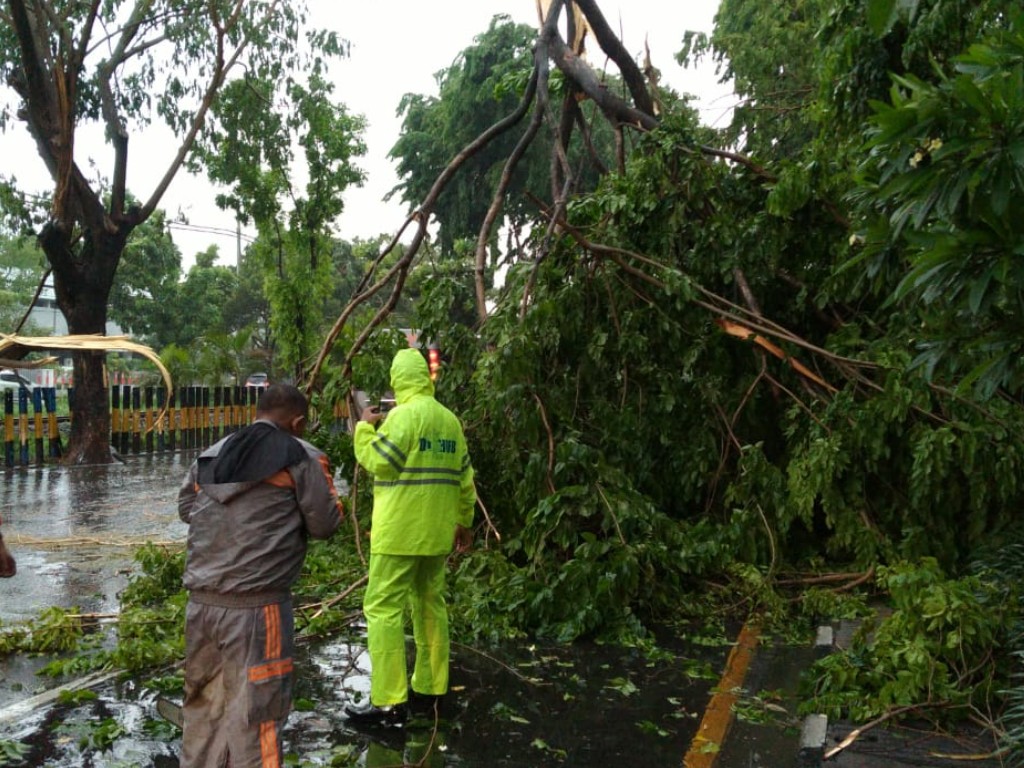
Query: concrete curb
(814, 729)
(813, 733)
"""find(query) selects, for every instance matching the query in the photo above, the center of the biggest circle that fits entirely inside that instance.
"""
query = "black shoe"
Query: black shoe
(425, 703)
(369, 715)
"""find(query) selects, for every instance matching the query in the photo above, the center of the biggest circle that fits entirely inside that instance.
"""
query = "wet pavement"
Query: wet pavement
(73, 531)
(530, 706)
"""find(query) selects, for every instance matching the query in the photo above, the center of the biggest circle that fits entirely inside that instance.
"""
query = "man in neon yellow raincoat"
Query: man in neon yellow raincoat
(423, 501)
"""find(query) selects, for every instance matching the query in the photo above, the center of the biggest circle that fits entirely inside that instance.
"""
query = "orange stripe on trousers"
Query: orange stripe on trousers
(272, 620)
(268, 745)
(272, 669)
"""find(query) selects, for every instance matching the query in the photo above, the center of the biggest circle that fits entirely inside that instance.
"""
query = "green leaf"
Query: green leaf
(881, 15)
(979, 287)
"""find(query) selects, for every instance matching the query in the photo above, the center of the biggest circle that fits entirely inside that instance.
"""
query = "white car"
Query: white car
(10, 379)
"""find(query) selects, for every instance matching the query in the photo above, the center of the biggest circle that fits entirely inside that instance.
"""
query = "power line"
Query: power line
(210, 230)
(182, 225)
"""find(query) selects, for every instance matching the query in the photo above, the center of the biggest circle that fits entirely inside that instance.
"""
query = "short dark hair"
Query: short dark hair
(285, 399)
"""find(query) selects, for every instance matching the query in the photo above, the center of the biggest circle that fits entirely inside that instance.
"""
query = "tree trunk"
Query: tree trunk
(83, 273)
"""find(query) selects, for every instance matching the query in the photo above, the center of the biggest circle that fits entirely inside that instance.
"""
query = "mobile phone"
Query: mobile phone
(386, 404)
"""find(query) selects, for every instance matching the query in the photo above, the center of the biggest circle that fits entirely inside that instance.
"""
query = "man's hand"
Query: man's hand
(371, 415)
(463, 539)
(7, 565)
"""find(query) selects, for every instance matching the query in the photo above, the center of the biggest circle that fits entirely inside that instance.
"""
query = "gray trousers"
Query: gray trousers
(238, 684)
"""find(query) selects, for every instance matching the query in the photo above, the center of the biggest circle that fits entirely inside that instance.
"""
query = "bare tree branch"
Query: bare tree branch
(421, 216)
(32, 304)
(540, 79)
(117, 133)
(612, 45)
(748, 295)
(48, 114)
(157, 22)
(90, 21)
(614, 108)
(216, 80)
(588, 139)
(32, 84)
(737, 158)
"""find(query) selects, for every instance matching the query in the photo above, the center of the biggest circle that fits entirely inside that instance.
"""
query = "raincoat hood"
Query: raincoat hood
(410, 376)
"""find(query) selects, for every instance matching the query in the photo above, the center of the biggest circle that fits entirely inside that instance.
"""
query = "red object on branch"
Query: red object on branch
(434, 361)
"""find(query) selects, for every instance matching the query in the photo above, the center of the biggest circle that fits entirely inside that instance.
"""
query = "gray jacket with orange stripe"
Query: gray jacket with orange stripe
(247, 540)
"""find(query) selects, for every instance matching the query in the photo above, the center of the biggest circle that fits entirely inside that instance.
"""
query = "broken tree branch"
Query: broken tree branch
(539, 85)
(855, 734)
(612, 45)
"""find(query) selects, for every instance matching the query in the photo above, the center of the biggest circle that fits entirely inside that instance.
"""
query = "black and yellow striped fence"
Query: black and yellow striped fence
(30, 426)
(142, 420)
(145, 420)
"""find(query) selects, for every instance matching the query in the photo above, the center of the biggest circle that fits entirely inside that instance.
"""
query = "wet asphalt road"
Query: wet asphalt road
(73, 531)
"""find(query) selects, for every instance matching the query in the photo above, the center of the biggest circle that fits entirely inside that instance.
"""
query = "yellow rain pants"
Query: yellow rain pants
(398, 582)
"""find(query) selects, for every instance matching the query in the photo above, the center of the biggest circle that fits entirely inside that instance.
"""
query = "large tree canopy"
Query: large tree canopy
(123, 66)
(707, 357)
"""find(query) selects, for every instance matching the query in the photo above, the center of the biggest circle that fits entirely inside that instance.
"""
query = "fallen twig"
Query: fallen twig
(856, 733)
(995, 754)
(827, 578)
(324, 605)
(551, 442)
(618, 530)
(501, 664)
(81, 541)
(866, 576)
(487, 517)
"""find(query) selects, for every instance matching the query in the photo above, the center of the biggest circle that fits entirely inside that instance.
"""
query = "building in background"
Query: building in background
(48, 320)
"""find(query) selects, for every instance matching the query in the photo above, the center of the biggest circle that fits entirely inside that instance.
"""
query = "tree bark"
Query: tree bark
(83, 273)
(84, 240)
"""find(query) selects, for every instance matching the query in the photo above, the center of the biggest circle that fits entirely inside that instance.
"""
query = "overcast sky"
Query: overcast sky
(397, 47)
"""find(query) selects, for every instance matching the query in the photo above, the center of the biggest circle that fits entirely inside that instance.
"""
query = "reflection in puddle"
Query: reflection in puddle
(74, 529)
(520, 705)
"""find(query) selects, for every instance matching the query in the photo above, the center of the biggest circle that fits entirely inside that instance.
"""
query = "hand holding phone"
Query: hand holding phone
(371, 414)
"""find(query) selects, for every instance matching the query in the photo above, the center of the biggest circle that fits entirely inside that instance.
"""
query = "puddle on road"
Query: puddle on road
(516, 706)
(74, 530)
(524, 705)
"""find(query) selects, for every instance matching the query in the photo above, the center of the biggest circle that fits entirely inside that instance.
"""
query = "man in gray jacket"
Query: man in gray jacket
(250, 501)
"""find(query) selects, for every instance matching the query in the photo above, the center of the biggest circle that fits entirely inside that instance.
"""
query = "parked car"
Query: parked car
(257, 380)
(11, 379)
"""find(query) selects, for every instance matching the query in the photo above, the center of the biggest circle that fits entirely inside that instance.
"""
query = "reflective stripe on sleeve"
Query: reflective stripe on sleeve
(390, 452)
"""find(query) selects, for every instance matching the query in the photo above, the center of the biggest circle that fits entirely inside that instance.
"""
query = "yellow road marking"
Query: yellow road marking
(717, 718)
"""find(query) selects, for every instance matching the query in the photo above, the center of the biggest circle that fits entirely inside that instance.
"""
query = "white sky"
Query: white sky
(397, 47)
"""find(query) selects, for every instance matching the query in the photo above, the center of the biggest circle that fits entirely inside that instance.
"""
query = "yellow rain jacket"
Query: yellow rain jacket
(423, 479)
